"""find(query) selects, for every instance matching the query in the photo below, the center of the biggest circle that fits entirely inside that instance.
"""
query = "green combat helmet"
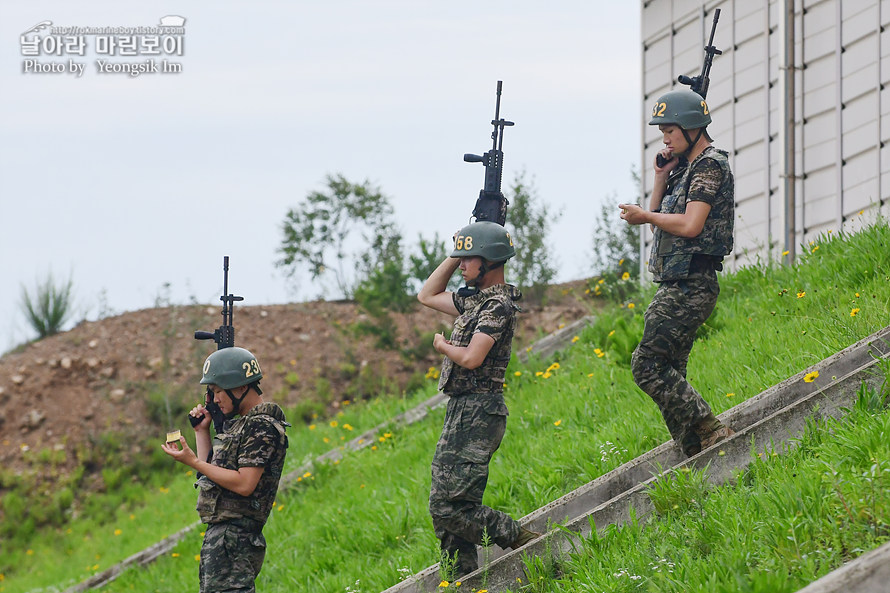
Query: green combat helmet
(489, 240)
(230, 368)
(682, 108)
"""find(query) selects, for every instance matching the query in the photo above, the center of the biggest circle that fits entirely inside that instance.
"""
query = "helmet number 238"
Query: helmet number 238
(251, 368)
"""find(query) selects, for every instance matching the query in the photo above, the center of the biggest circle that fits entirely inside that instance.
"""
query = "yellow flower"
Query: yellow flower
(557, 423)
(164, 490)
(589, 375)
(815, 249)
(30, 552)
(117, 532)
(334, 424)
(553, 367)
(587, 291)
(599, 353)
(810, 377)
(854, 311)
(381, 439)
(539, 373)
(175, 554)
(373, 447)
(443, 584)
(547, 375)
(311, 427)
(786, 252)
(575, 339)
(346, 402)
(630, 305)
(326, 439)
(293, 362)
(621, 261)
(601, 280)
(307, 474)
(197, 557)
(611, 333)
(387, 435)
(801, 294)
(857, 295)
(457, 583)
(561, 325)
(625, 276)
(730, 394)
(347, 427)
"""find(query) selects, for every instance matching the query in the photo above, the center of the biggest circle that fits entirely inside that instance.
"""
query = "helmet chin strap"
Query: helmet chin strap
(236, 402)
(689, 141)
(484, 268)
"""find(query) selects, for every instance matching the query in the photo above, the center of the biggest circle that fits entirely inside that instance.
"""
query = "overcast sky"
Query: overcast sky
(128, 183)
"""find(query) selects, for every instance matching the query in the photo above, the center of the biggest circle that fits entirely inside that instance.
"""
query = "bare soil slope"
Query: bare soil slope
(61, 393)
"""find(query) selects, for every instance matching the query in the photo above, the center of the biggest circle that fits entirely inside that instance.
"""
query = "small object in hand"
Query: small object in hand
(173, 436)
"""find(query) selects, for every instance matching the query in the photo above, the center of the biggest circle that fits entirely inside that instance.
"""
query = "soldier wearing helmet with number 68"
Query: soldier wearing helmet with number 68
(473, 370)
(239, 483)
(691, 211)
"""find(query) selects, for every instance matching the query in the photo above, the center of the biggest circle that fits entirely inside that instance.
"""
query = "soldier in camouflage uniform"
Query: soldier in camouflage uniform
(691, 211)
(472, 375)
(239, 483)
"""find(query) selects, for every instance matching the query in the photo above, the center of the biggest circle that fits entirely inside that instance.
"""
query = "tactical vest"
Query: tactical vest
(489, 376)
(671, 255)
(217, 504)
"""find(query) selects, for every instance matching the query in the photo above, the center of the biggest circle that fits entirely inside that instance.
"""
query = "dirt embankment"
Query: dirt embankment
(64, 392)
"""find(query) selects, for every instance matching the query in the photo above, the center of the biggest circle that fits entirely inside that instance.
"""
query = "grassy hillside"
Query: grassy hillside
(362, 524)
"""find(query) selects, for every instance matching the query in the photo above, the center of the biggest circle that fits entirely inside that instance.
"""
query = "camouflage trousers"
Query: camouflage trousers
(678, 309)
(231, 558)
(473, 430)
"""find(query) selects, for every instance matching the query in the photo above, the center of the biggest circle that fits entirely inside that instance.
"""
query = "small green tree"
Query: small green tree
(535, 264)
(616, 244)
(49, 307)
(430, 253)
(385, 282)
(336, 229)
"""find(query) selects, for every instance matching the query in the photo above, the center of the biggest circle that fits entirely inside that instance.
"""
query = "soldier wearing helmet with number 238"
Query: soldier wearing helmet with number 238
(239, 483)
(691, 212)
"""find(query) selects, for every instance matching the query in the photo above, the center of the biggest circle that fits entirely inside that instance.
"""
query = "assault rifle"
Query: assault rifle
(224, 336)
(700, 83)
(491, 204)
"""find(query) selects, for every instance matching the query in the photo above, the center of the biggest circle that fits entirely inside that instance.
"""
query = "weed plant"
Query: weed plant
(573, 419)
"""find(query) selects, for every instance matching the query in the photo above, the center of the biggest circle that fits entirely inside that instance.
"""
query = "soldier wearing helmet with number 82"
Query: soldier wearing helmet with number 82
(239, 483)
(691, 211)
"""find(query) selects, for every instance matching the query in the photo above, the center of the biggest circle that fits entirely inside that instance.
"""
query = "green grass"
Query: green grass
(787, 521)
(365, 519)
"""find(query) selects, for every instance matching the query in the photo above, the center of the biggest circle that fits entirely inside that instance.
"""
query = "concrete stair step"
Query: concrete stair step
(767, 422)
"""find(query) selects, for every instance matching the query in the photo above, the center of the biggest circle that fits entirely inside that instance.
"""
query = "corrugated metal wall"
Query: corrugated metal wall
(832, 97)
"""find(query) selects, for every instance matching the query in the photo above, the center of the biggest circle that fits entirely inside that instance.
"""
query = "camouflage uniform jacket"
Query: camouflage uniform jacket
(707, 179)
(491, 311)
(256, 439)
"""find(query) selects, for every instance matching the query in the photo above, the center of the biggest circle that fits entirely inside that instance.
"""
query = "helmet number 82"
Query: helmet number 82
(463, 242)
